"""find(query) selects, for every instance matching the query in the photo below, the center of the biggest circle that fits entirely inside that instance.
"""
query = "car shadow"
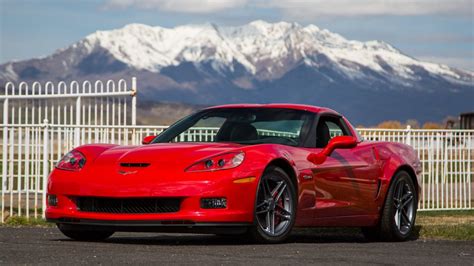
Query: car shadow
(299, 235)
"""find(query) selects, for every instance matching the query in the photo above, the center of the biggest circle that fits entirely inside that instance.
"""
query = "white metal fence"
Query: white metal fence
(447, 157)
(42, 121)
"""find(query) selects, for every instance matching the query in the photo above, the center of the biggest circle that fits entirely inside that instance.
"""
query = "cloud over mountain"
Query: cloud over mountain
(184, 6)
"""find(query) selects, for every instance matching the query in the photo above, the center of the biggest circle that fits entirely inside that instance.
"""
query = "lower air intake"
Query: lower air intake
(128, 205)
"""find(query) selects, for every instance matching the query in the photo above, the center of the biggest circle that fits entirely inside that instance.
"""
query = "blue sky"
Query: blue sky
(435, 30)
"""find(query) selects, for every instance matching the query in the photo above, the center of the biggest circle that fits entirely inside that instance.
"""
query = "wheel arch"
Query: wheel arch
(411, 172)
(285, 166)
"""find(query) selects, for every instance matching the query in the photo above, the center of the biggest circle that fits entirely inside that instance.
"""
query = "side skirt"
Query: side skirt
(343, 221)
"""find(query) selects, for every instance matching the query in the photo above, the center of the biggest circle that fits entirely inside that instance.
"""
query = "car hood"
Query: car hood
(171, 155)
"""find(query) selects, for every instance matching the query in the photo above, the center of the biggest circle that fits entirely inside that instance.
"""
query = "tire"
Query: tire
(79, 233)
(398, 216)
(275, 207)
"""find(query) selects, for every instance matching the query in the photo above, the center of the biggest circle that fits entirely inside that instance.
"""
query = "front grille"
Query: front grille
(128, 205)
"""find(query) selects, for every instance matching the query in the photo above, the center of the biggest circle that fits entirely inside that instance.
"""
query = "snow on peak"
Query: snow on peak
(260, 46)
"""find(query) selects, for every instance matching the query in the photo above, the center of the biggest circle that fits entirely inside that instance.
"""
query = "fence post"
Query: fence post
(4, 152)
(408, 136)
(77, 130)
(470, 153)
(134, 109)
(45, 163)
(134, 101)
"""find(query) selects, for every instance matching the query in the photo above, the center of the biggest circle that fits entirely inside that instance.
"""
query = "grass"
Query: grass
(454, 213)
(453, 225)
(449, 232)
(21, 221)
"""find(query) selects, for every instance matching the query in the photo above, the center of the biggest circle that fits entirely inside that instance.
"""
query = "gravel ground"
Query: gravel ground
(49, 246)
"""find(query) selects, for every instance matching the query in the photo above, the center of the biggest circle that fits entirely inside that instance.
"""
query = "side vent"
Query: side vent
(379, 186)
(134, 164)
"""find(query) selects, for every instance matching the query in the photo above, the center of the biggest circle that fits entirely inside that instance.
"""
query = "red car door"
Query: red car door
(346, 184)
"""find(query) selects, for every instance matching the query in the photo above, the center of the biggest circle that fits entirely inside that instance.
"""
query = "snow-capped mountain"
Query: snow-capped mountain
(261, 62)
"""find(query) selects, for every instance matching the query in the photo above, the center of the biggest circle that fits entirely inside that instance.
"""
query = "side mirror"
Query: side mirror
(339, 142)
(148, 139)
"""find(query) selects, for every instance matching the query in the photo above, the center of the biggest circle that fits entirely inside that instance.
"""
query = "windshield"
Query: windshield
(241, 125)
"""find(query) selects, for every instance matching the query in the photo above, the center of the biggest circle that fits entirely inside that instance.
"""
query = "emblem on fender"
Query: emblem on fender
(123, 172)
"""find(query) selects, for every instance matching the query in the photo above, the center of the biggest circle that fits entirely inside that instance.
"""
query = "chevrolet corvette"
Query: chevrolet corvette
(252, 170)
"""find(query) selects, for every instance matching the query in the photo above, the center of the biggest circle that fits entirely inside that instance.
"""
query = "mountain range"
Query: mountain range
(258, 62)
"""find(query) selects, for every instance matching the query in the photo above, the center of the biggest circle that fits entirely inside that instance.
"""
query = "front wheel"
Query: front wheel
(397, 220)
(78, 232)
(275, 207)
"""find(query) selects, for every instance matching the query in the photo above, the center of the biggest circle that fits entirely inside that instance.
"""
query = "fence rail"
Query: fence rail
(447, 158)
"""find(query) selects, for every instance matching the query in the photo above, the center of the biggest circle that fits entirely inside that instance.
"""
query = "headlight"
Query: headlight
(72, 161)
(219, 162)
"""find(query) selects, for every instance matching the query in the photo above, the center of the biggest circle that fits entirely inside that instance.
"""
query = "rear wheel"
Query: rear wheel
(275, 207)
(397, 220)
(80, 233)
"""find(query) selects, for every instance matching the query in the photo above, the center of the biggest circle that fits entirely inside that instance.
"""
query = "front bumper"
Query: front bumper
(191, 189)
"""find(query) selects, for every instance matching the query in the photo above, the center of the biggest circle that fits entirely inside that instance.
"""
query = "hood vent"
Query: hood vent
(134, 164)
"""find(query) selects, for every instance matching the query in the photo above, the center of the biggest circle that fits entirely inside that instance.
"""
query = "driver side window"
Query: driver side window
(328, 128)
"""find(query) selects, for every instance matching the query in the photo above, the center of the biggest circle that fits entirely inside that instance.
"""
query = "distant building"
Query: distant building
(466, 120)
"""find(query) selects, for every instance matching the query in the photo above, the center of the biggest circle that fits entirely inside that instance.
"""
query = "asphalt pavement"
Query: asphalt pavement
(49, 246)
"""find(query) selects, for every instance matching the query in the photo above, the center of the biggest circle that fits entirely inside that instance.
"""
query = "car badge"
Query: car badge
(123, 172)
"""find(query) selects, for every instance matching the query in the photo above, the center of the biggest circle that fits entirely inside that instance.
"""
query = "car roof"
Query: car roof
(304, 107)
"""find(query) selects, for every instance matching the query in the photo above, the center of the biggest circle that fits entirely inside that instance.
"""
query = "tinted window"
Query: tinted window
(329, 127)
(242, 125)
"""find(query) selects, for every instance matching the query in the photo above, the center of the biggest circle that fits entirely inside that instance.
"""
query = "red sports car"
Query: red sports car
(258, 170)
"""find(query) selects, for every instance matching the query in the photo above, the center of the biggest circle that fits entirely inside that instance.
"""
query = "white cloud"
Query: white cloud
(307, 8)
(182, 6)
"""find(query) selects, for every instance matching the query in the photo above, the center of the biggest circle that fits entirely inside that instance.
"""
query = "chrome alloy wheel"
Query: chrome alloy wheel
(404, 204)
(274, 206)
